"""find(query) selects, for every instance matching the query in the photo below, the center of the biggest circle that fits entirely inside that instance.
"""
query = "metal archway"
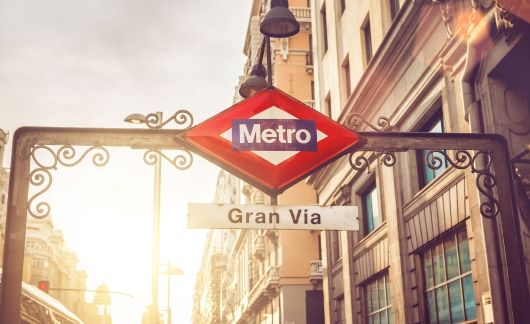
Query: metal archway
(493, 179)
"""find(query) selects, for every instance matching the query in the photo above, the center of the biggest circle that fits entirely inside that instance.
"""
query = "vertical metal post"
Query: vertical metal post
(168, 293)
(155, 314)
(15, 232)
(269, 61)
(510, 235)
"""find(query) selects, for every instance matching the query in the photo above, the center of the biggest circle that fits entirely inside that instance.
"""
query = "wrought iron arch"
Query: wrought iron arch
(494, 180)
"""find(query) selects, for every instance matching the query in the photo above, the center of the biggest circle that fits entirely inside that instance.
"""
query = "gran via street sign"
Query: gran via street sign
(270, 140)
(273, 217)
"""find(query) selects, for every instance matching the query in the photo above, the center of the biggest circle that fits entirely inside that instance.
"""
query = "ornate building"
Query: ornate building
(268, 276)
(427, 251)
(4, 179)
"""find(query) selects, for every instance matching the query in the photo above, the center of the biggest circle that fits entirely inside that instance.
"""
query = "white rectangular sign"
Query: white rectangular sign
(273, 217)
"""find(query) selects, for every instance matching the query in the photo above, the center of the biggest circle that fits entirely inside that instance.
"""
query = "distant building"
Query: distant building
(267, 276)
(210, 293)
(47, 258)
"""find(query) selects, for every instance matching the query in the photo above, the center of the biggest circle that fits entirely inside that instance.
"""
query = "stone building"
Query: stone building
(268, 276)
(424, 253)
(4, 180)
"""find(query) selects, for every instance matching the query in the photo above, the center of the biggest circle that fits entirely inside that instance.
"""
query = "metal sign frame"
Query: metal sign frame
(493, 179)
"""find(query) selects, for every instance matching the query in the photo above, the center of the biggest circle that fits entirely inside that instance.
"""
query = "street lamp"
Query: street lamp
(170, 271)
(279, 21)
(255, 82)
(139, 119)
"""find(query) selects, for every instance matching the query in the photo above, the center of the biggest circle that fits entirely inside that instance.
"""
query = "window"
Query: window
(40, 262)
(346, 77)
(339, 310)
(335, 248)
(435, 125)
(448, 283)
(394, 8)
(371, 209)
(327, 107)
(324, 28)
(367, 40)
(342, 6)
(378, 294)
(309, 54)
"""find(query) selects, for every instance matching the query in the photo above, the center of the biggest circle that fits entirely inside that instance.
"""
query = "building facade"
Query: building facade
(269, 276)
(46, 258)
(4, 180)
(424, 253)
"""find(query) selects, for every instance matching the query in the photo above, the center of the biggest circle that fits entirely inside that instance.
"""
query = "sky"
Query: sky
(73, 63)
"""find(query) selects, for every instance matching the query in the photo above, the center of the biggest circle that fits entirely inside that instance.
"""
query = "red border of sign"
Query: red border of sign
(272, 179)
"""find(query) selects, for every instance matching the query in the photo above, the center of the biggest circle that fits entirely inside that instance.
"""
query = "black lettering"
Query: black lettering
(315, 218)
(260, 217)
(295, 218)
(234, 215)
(248, 214)
(272, 216)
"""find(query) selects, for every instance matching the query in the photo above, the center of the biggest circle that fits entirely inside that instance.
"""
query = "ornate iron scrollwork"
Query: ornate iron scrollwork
(359, 163)
(355, 120)
(181, 161)
(41, 176)
(480, 163)
(387, 158)
(182, 118)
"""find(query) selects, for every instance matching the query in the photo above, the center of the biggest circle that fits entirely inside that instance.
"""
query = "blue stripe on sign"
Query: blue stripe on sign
(274, 135)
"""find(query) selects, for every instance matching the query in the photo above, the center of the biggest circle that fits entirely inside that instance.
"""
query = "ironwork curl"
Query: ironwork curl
(355, 120)
(387, 158)
(360, 163)
(182, 118)
(181, 161)
(41, 176)
(480, 163)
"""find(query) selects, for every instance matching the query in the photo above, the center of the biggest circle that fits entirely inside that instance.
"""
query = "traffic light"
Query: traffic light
(44, 285)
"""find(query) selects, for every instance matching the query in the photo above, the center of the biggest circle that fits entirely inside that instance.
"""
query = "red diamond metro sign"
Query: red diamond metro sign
(270, 140)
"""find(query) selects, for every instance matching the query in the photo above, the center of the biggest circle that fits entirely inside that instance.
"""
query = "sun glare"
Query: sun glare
(106, 215)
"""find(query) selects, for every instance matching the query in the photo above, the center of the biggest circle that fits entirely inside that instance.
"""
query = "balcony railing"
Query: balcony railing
(315, 270)
(264, 286)
(301, 14)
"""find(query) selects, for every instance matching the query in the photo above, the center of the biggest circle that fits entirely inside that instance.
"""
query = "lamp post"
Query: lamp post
(170, 271)
(279, 22)
(154, 314)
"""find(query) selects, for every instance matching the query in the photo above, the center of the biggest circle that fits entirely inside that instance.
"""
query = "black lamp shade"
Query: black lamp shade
(279, 21)
(255, 82)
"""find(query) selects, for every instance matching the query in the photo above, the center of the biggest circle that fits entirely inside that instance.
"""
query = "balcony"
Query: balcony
(309, 62)
(259, 247)
(315, 271)
(302, 14)
(267, 286)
